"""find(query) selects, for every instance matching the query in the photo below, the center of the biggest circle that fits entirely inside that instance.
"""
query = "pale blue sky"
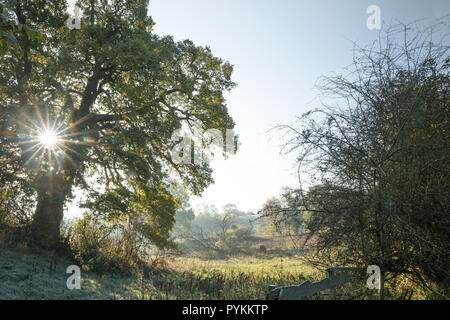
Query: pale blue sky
(279, 49)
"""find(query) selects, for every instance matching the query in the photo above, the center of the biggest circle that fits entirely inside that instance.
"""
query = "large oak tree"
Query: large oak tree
(95, 108)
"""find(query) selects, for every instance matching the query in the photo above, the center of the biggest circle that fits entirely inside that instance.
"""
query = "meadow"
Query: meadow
(34, 276)
(27, 275)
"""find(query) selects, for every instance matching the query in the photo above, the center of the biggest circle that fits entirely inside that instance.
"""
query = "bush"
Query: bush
(16, 205)
(97, 246)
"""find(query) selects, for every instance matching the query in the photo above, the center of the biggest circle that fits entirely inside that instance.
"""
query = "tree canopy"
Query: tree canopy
(110, 95)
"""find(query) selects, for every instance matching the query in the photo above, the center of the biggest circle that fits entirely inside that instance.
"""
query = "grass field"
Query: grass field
(26, 275)
(238, 278)
(30, 276)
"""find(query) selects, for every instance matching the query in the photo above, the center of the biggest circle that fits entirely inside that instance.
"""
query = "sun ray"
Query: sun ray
(20, 123)
(49, 140)
(72, 134)
(56, 130)
(33, 155)
(85, 118)
(31, 148)
(38, 112)
(29, 141)
(67, 156)
(70, 149)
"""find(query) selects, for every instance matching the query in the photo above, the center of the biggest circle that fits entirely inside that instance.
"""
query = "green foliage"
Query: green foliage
(108, 247)
(116, 93)
(282, 216)
(11, 29)
(234, 241)
(16, 203)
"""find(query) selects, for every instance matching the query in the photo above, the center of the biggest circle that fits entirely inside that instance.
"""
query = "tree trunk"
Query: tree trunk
(382, 286)
(49, 212)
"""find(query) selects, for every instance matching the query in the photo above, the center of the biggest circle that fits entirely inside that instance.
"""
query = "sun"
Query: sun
(48, 142)
(48, 139)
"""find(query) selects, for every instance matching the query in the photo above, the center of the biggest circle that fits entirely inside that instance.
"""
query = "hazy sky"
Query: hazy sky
(278, 49)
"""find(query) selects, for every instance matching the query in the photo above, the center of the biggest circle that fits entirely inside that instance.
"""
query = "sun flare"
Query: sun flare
(48, 139)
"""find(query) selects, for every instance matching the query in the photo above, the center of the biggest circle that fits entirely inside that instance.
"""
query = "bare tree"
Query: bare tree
(377, 151)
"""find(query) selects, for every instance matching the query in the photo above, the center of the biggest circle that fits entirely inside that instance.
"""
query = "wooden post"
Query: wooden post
(272, 295)
(335, 276)
(332, 290)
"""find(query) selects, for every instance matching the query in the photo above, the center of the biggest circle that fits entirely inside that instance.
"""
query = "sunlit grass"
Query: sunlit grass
(29, 276)
(271, 266)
